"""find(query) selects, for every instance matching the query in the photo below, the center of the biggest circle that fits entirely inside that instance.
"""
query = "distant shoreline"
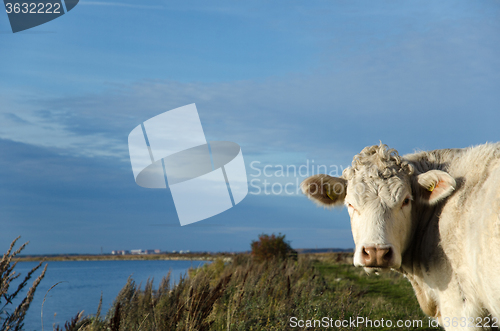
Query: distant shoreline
(160, 256)
(128, 257)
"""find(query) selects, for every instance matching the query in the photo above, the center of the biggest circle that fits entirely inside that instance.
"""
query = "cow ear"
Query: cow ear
(436, 185)
(325, 190)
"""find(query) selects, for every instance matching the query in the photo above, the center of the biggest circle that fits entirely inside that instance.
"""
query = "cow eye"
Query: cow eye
(406, 202)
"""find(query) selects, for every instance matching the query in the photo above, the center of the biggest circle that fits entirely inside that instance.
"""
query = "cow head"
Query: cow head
(380, 190)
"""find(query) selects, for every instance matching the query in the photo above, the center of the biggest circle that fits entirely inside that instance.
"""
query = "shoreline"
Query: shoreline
(129, 257)
(226, 257)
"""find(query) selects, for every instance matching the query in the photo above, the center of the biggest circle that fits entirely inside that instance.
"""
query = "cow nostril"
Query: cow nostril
(387, 255)
(364, 252)
(369, 256)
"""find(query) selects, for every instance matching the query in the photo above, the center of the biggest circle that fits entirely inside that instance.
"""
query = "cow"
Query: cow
(432, 216)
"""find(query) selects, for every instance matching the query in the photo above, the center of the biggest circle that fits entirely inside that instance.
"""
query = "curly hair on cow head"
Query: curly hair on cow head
(378, 161)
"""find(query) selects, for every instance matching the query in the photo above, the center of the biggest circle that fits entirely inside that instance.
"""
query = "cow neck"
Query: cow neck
(424, 245)
(424, 220)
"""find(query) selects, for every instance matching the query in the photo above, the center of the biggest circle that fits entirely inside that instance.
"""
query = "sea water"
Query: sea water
(80, 284)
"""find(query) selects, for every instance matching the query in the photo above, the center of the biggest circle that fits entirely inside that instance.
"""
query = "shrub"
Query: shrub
(272, 247)
(14, 320)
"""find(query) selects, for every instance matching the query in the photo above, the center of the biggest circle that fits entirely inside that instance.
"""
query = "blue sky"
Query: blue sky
(291, 82)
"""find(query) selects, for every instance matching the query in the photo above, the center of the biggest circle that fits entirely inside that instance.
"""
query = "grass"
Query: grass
(389, 295)
(12, 318)
(248, 295)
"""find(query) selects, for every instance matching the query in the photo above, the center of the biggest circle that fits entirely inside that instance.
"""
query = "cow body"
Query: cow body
(433, 216)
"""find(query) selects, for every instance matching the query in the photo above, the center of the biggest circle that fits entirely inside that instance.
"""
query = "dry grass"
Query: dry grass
(244, 294)
(240, 295)
(13, 320)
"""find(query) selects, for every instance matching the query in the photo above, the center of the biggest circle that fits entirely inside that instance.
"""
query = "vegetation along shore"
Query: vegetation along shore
(272, 288)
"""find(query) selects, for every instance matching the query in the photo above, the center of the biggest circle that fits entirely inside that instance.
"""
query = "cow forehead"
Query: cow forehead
(378, 173)
(372, 190)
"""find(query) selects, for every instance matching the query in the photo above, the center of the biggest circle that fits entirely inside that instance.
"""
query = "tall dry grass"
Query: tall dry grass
(12, 318)
(239, 295)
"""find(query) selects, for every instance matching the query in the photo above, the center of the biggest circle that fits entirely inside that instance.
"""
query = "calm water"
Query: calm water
(83, 282)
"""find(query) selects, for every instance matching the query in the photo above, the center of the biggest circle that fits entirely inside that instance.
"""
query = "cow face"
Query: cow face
(379, 191)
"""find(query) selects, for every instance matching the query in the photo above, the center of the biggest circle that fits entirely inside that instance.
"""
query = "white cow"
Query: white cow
(433, 216)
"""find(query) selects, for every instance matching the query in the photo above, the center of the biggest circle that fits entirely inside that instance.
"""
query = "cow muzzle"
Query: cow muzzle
(377, 256)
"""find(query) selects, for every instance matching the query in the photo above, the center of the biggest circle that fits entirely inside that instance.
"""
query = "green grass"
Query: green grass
(388, 295)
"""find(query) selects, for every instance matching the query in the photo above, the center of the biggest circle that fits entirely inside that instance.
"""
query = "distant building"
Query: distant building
(145, 251)
(120, 252)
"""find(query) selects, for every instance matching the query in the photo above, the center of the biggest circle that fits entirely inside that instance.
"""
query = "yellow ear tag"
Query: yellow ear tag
(432, 187)
(331, 196)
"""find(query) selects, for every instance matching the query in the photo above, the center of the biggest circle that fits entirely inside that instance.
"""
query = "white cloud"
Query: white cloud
(398, 92)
